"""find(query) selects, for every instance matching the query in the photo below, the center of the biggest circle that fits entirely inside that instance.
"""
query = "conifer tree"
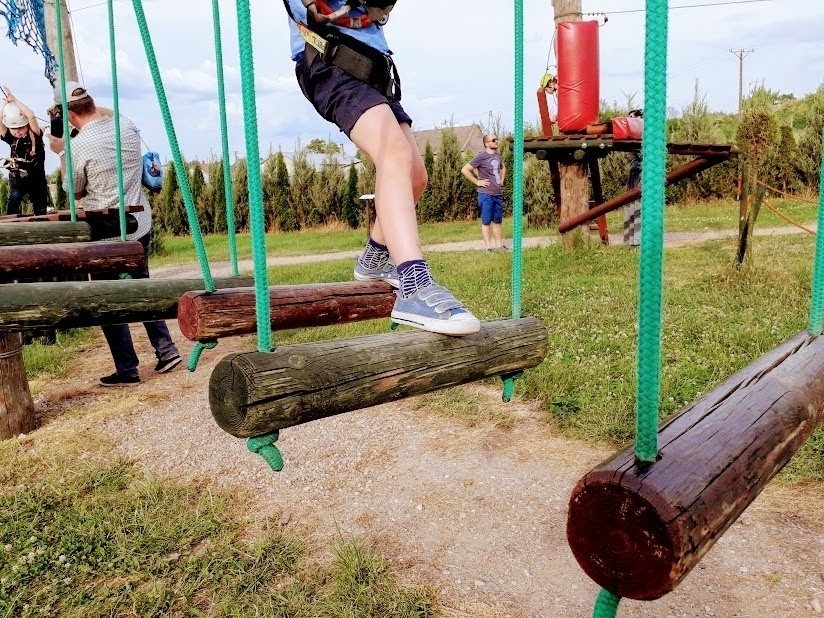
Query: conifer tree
(351, 203)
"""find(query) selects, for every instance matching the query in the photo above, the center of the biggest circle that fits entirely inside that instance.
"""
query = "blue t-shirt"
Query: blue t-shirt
(371, 35)
(490, 167)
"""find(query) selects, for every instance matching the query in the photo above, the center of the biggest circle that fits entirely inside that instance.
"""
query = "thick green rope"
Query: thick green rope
(256, 215)
(67, 138)
(180, 168)
(197, 350)
(224, 134)
(121, 198)
(650, 295)
(266, 448)
(606, 606)
(518, 179)
(817, 307)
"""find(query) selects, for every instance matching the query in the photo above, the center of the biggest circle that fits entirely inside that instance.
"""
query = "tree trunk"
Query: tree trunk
(638, 529)
(226, 313)
(74, 304)
(573, 174)
(43, 233)
(67, 259)
(16, 406)
(256, 393)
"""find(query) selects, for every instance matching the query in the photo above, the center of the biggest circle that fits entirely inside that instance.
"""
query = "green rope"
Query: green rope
(265, 447)
(817, 307)
(509, 385)
(650, 293)
(224, 134)
(180, 169)
(118, 141)
(256, 215)
(518, 180)
(67, 138)
(197, 350)
(606, 606)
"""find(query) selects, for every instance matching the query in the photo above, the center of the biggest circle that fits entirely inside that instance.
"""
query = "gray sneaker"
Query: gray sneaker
(435, 309)
(388, 272)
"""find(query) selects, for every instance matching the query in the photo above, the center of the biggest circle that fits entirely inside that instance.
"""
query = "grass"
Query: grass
(52, 360)
(86, 534)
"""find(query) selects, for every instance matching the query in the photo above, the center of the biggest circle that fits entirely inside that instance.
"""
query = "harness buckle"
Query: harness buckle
(330, 50)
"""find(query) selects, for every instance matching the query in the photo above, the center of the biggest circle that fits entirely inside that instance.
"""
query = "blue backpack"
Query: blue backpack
(152, 172)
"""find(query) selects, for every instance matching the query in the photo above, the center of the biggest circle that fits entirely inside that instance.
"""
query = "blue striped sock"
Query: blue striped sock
(414, 275)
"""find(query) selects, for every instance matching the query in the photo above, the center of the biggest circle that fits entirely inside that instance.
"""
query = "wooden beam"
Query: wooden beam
(16, 405)
(74, 304)
(33, 261)
(638, 529)
(226, 313)
(255, 393)
(43, 233)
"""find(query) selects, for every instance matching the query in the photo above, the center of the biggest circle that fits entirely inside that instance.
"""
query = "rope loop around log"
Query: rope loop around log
(197, 350)
(11, 353)
(266, 448)
(509, 385)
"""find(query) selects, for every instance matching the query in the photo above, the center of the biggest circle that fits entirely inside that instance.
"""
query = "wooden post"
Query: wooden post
(69, 56)
(16, 405)
(204, 316)
(256, 393)
(574, 179)
(638, 529)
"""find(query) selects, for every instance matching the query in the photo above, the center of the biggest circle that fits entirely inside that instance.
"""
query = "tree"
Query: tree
(269, 181)
(351, 203)
(327, 193)
(320, 146)
(240, 190)
(217, 198)
(197, 185)
(426, 205)
(284, 214)
(300, 187)
(171, 205)
(62, 201)
(4, 195)
(810, 144)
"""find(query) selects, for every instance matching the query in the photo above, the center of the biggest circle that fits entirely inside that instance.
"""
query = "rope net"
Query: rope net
(26, 22)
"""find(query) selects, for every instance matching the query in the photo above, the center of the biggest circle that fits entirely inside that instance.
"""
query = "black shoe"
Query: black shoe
(118, 380)
(167, 365)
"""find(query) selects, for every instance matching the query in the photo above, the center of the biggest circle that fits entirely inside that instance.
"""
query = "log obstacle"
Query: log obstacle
(16, 405)
(44, 233)
(74, 304)
(638, 529)
(204, 316)
(256, 393)
(27, 261)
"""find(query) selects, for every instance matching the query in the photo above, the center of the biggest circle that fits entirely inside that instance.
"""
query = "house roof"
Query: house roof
(470, 138)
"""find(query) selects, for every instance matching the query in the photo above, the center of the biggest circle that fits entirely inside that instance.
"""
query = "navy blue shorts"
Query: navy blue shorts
(491, 207)
(340, 98)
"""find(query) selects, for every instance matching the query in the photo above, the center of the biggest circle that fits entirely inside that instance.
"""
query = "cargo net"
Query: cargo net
(26, 22)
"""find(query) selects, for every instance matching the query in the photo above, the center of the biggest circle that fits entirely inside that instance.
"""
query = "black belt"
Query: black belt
(377, 71)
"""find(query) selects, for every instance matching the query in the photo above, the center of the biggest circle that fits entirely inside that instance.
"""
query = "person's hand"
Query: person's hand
(9, 98)
(56, 144)
(482, 183)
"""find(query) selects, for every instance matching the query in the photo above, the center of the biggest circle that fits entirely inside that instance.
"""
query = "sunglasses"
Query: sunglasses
(494, 139)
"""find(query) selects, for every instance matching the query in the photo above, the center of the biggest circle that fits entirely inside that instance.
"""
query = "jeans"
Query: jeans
(37, 193)
(119, 337)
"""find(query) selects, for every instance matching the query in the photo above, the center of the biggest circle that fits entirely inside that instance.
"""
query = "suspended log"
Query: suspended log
(43, 233)
(65, 259)
(16, 405)
(226, 313)
(638, 529)
(74, 304)
(255, 393)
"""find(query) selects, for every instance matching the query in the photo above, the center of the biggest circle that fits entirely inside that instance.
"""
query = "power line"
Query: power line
(741, 54)
(690, 6)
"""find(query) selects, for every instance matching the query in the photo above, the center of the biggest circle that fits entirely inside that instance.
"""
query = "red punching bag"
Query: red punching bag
(578, 75)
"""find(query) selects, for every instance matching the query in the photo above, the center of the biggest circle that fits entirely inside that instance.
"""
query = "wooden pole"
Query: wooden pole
(256, 393)
(638, 529)
(75, 304)
(67, 259)
(69, 55)
(16, 405)
(574, 179)
(204, 316)
(43, 233)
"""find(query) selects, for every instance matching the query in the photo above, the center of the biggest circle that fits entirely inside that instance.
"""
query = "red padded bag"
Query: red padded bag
(628, 127)
(578, 75)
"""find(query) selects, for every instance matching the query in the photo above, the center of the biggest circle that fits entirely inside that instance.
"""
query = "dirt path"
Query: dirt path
(478, 511)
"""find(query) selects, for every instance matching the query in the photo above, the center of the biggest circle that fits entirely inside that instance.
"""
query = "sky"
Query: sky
(456, 61)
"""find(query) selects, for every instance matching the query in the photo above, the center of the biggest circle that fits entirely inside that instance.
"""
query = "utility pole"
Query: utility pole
(741, 54)
(69, 57)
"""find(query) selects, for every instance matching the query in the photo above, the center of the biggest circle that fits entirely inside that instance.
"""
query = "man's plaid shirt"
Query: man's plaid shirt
(94, 163)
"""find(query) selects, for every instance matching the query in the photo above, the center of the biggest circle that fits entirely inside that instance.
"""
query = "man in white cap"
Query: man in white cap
(26, 163)
(94, 171)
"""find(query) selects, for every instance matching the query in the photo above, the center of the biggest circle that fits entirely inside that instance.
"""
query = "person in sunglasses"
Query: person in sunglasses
(488, 172)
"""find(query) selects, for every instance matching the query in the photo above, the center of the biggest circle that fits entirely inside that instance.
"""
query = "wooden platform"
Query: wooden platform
(602, 145)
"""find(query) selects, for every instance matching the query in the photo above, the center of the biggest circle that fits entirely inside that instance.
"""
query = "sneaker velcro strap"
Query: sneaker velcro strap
(439, 298)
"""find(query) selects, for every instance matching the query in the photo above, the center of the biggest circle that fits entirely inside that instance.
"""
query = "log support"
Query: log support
(16, 405)
(68, 259)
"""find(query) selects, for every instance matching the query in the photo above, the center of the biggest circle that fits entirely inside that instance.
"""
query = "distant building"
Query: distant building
(318, 160)
(470, 138)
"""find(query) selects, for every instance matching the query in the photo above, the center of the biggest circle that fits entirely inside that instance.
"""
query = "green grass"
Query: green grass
(42, 360)
(82, 535)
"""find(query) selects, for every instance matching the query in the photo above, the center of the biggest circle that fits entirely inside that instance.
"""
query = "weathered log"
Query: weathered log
(637, 530)
(65, 259)
(16, 405)
(74, 304)
(255, 393)
(225, 313)
(44, 233)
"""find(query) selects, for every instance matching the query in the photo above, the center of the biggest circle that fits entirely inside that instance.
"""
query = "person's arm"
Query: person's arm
(503, 172)
(57, 145)
(105, 111)
(3, 130)
(24, 109)
(469, 171)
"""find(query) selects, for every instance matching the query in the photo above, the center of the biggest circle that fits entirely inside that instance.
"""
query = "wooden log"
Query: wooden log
(65, 259)
(16, 405)
(637, 530)
(43, 233)
(226, 313)
(74, 304)
(255, 393)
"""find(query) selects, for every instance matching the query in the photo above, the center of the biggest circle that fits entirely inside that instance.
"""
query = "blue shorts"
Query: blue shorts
(340, 98)
(491, 207)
